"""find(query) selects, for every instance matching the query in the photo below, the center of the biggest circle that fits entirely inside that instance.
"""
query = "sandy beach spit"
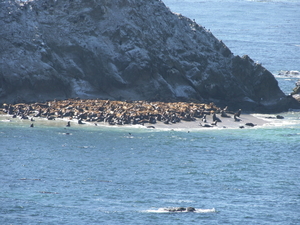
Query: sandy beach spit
(173, 115)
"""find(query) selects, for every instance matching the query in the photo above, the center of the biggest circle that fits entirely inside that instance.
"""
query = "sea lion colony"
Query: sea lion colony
(112, 112)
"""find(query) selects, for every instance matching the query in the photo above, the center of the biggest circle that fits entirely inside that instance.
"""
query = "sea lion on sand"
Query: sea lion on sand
(31, 125)
(250, 124)
(238, 113)
(224, 114)
(204, 119)
(236, 119)
(215, 118)
(205, 125)
(68, 124)
(214, 123)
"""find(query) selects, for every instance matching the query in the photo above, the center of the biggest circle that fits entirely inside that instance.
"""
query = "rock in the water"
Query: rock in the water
(123, 49)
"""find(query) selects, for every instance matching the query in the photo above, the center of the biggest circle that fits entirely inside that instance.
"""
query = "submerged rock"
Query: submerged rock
(123, 49)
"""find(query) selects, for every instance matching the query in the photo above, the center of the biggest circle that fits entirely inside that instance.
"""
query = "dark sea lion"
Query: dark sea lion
(238, 113)
(224, 114)
(214, 123)
(31, 125)
(215, 118)
(279, 117)
(250, 124)
(204, 118)
(180, 209)
(236, 119)
(190, 209)
(68, 124)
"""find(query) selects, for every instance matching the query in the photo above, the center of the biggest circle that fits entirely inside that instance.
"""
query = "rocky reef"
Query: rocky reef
(123, 50)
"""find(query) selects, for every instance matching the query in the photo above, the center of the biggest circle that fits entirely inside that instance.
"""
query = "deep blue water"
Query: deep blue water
(266, 30)
(103, 175)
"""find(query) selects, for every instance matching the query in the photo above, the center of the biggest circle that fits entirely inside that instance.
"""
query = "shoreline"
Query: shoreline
(140, 114)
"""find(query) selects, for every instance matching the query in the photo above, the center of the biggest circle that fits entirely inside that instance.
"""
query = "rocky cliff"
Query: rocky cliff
(124, 50)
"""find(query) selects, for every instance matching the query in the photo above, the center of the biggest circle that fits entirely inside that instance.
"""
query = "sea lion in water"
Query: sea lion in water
(180, 209)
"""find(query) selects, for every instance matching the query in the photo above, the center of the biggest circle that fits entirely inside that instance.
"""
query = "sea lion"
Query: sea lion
(68, 124)
(205, 125)
(204, 119)
(224, 114)
(238, 113)
(215, 118)
(214, 123)
(180, 209)
(250, 124)
(31, 125)
(236, 119)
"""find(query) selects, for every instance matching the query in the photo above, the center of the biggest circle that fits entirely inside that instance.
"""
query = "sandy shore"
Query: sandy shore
(186, 125)
(226, 123)
(177, 115)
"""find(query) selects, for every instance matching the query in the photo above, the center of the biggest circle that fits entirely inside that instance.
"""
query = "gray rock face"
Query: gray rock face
(123, 49)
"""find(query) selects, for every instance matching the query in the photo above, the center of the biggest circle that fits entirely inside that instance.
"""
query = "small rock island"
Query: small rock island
(124, 50)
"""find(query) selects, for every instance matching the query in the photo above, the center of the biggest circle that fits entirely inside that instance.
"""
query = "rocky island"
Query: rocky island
(122, 50)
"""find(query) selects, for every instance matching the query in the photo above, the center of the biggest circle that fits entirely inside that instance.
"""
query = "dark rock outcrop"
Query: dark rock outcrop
(296, 91)
(123, 49)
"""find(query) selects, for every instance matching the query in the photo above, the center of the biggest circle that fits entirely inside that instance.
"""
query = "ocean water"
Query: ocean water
(84, 174)
(266, 30)
(104, 175)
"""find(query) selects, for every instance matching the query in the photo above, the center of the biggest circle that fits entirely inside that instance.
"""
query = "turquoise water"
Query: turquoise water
(104, 175)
